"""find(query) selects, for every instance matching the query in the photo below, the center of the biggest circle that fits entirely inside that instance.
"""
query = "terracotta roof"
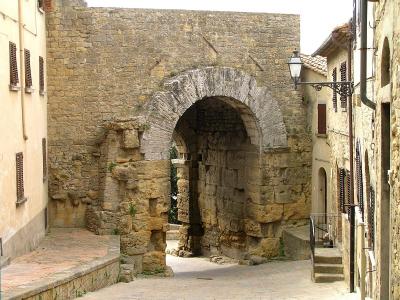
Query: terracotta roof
(316, 63)
(338, 38)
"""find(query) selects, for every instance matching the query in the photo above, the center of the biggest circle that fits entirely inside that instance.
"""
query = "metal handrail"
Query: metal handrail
(312, 238)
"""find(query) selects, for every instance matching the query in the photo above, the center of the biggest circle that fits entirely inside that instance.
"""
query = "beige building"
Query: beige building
(23, 175)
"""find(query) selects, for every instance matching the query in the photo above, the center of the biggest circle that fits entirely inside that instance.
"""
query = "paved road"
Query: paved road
(197, 278)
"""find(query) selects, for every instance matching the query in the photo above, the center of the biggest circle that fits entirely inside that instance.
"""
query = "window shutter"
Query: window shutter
(13, 65)
(322, 118)
(343, 77)
(371, 217)
(20, 176)
(44, 153)
(28, 74)
(41, 74)
(342, 176)
(348, 196)
(334, 97)
(359, 175)
(48, 5)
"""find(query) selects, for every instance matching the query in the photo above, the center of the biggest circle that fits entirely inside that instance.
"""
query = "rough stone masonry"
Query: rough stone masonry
(123, 84)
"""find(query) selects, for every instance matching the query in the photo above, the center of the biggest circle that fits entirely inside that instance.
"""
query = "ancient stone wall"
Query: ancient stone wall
(108, 65)
(388, 91)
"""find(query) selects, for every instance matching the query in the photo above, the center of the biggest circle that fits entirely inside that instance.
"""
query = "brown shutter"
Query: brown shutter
(342, 176)
(348, 196)
(41, 74)
(44, 153)
(28, 74)
(334, 97)
(13, 65)
(48, 5)
(359, 176)
(343, 77)
(20, 176)
(371, 217)
(322, 118)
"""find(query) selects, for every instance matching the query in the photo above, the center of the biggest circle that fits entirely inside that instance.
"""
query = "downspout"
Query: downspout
(22, 65)
(363, 56)
(351, 162)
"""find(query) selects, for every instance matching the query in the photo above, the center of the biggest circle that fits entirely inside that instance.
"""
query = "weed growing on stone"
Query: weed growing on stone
(115, 231)
(132, 210)
(111, 166)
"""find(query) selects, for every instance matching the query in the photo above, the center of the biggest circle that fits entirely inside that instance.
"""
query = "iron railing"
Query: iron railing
(323, 230)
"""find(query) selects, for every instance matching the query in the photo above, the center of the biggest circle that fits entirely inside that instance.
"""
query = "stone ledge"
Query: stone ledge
(58, 279)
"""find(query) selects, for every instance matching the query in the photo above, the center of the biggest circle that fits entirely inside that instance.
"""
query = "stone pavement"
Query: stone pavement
(63, 255)
(197, 278)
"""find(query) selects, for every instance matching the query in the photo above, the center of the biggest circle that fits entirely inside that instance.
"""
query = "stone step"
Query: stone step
(328, 268)
(324, 278)
(327, 256)
(172, 235)
(4, 261)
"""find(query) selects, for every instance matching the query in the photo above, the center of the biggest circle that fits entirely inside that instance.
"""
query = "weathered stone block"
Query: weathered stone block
(265, 213)
(130, 139)
(154, 261)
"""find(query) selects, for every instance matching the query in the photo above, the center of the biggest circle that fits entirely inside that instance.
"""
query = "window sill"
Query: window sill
(321, 135)
(42, 93)
(29, 90)
(344, 109)
(21, 201)
(14, 88)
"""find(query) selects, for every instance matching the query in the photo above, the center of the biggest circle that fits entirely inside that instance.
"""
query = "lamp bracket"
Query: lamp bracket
(343, 88)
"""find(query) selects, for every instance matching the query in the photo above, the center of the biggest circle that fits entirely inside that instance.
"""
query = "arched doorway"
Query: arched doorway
(220, 174)
(322, 193)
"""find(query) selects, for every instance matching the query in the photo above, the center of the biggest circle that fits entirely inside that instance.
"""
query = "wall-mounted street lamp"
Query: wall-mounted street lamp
(343, 88)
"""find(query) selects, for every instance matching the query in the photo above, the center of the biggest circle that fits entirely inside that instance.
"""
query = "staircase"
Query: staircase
(327, 265)
(326, 261)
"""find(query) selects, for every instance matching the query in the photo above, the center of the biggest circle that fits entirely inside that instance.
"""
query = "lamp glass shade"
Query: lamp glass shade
(295, 65)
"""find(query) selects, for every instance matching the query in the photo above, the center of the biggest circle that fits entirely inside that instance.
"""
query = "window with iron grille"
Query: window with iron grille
(41, 75)
(371, 217)
(334, 97)
(359, 175)
(44, 153)
(343, 77)
(20, 177)
(28, 73)
(342, 189)
(14, 80)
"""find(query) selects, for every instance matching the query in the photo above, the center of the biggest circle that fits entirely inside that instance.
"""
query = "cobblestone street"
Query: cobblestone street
(197, 278)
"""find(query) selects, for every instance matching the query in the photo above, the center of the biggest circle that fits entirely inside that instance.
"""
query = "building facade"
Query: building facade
(23, 126)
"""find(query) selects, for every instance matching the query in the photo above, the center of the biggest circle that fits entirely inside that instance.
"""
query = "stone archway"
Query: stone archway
(166, 107)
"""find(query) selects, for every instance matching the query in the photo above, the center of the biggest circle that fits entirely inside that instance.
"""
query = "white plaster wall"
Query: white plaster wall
(13, 218)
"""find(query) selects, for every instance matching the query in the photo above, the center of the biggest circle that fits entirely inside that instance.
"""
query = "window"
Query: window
(40, 4)
(385, 63)
(321, 118)
(343, 77)
(20, 177)
(334, 97)
(44, 153)
(28, 73)
(14, 80)
(45, 5)
(41, 75)
(371, 217)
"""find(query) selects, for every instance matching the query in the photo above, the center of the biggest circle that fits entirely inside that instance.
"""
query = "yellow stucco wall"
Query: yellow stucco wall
(21, 227)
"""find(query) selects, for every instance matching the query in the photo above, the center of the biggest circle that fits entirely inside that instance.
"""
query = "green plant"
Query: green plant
(173, 211)
(132, 210)
(115, 231)
(153, 272)
(111, 166)
(80, 293)
(281, 247)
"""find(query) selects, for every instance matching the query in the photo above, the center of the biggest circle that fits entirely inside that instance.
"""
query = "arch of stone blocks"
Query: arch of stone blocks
(260, 112)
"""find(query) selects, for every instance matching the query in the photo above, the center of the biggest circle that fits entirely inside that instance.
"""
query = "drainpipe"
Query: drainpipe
(363, 56)
(351, 161)
(22, 65)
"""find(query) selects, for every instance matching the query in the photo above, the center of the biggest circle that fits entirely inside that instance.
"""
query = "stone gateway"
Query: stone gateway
(127, 84)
